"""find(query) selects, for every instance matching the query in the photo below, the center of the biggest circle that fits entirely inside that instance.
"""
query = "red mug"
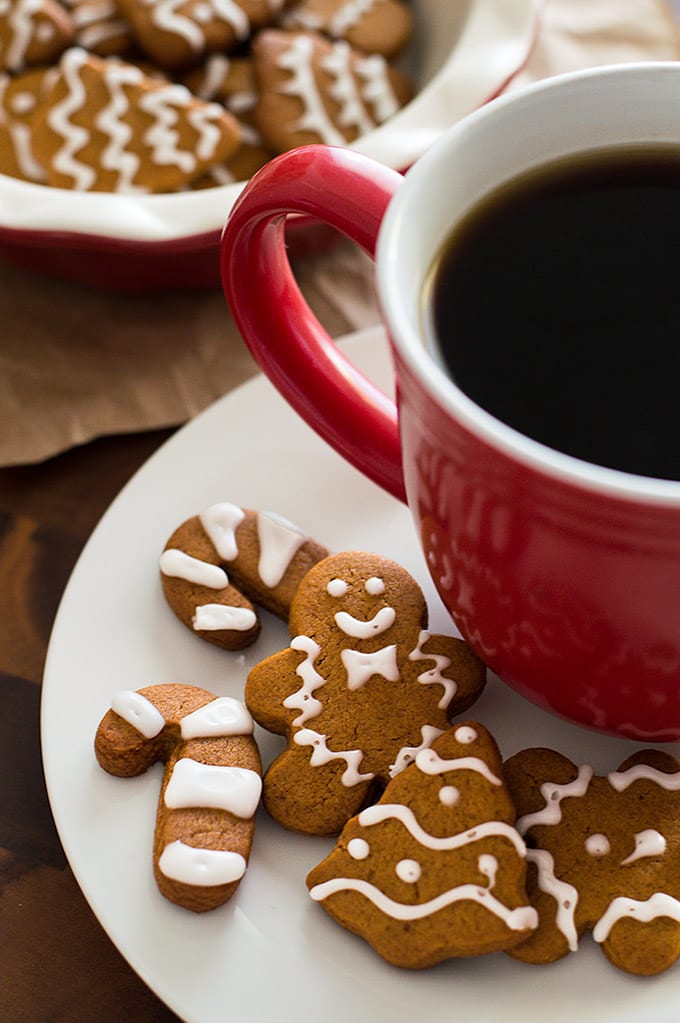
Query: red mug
(564, 576)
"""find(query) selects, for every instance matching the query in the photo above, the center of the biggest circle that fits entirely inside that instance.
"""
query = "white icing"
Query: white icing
(279, 542)
(222, 716)
(620, 780)
(348, 15)
(564, 894)
(322, 755)
(21, 22)
(193, 784)
(179, 565)
(358, 848)
(302, 699)
(352, 113)
(220, 522)
(553, 795)
(377, 90)
(205, 868)
(658, 904)
(138, 712)
(362, 629)
(59, 120)
(360, 666)
(337, 588)
(465, 735)
(215, 617)
(449, 795)
(204, 120)
(161, 137)
(408, 871)
(374, 586)
(407, 754)
(597, 845)
(109, 121)
(234, 15)
(488, 865)
(430, 762)
(398, 811)
(215, 74)
(647, 843)
(520, 919)
(297, 59)
(435, 674)
(164, 16)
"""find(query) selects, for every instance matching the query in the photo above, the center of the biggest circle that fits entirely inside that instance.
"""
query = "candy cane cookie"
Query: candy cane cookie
(218, 565)
(210, 790)
(604, 856)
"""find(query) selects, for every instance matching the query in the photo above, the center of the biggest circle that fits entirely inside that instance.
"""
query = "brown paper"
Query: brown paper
(77, 363)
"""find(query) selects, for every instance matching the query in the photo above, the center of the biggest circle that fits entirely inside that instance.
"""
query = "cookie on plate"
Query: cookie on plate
(265, 555)
(32, 32)
(435, 870)
(362, 688)
(604, 856)
(210, 790)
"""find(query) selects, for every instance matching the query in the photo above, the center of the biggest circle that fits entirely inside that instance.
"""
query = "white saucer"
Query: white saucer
(270, 953)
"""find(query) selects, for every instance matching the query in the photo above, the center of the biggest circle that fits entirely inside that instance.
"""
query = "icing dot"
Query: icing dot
(597, 845)
(465, 734)
(22, 102)
(202, 13)
(337, 588)
(374, 586)
(358, 848)
(408, 870)
(449, 795)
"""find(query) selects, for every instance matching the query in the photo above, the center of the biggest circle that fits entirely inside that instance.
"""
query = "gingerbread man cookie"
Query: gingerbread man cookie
(20, 96)
(312, 90)
(106, 126)
(604, 856)
(211, 784)
(265, 556)
(435, 869)
(361, 690)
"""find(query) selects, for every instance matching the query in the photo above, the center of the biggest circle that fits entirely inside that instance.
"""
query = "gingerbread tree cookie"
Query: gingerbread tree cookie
(435, 870)
(362, 688)
(604, 856)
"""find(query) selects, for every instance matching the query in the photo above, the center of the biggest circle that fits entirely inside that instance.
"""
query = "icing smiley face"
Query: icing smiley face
(360, 692)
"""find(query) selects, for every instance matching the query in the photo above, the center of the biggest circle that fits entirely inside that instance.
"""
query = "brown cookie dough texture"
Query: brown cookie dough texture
(312, 90)
(435, 869)
(107, 126)
(211, 784)
(374, 26)
(264, 555)
(362, 688)
(32, 32)
(604, 856)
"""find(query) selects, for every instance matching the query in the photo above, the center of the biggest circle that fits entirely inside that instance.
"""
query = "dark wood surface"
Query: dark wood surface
(57, 965)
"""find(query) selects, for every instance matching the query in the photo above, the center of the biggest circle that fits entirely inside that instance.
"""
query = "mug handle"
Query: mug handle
(350, 192)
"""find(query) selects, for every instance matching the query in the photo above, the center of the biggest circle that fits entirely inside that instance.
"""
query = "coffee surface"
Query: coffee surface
(555, 306)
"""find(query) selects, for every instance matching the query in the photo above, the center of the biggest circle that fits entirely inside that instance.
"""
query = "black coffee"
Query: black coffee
(555, 306)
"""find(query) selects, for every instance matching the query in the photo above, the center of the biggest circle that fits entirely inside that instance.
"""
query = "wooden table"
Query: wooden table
(57, 965)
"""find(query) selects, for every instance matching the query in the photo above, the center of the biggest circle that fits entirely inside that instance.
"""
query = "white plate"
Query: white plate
(270, 953)
(462, 53)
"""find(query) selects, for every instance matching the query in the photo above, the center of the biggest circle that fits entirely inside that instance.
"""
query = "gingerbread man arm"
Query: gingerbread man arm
(211, 784)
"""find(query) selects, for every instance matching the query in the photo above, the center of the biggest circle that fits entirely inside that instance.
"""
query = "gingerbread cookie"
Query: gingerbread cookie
(211, 784)
(361, 690)
(604, 856)
(177, 33)
(106, 126)
(435, 869)
(265, 555)
(312, 90)
(32, 32)
(374, 26)
(100, 28)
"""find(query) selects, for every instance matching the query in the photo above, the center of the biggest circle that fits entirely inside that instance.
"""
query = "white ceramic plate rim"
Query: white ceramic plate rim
(270, 953)
(494, 43)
